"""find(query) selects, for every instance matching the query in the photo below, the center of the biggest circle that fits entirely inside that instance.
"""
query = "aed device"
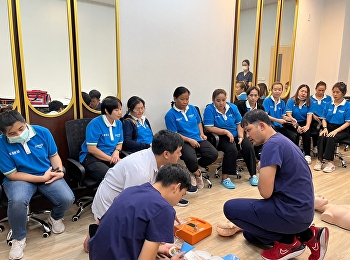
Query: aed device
(192, 230)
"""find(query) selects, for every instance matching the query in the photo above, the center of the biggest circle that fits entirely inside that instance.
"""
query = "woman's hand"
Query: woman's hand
(114, 157)
(230, 136)
(324, 132)
(194, 143)
(51, 176)
(203, 137)
(304, 129)
(332, 134)
(164, 248)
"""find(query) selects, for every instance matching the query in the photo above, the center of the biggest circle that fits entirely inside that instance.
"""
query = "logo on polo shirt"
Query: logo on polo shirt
(14, 152)
(179, 119)
(39, 146)
(189, 116)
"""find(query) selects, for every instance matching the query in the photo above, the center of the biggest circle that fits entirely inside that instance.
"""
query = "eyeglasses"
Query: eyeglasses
(139, 109)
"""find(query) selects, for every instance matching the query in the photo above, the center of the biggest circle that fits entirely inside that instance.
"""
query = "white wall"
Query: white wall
(165, 44)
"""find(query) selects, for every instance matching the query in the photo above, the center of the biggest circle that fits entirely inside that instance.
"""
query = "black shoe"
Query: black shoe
(192, 190)
(182, 203)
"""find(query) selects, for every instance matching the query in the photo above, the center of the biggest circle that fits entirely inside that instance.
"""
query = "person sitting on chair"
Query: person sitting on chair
(185, 120)
(335, 122)
(223, 118)
(263, 91)
(318, 102)
(241, 88)
(30, 162)
(135, 227)
(299, 109)
(137, 129)
(275, 107)
(104, 140)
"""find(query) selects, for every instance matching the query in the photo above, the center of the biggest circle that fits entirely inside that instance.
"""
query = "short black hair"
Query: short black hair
(110, 103)
(341, 86)
(132, 103)
(166, 140)
(55, 105)
(173, 174)
(255, 116)
(8, 118)
(95, 94)
(246, 61)
(86, 98)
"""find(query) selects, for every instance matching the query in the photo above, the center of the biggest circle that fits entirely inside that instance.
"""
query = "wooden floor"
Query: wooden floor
(206, 204)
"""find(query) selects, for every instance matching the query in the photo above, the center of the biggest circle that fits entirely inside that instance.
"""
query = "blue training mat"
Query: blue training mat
(230, 257)
(186, 247)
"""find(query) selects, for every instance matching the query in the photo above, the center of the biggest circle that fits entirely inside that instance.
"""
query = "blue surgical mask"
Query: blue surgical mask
(20, 138)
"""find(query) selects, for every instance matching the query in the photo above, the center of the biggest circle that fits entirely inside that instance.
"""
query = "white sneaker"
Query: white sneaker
(200, 182)
(308, 159)
(318, 166)
(193, 179)
(57, 226)
(16, 251)
(330, 167)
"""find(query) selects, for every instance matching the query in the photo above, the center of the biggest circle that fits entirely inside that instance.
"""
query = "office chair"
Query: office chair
(31, 216)
(341, 156)
(75, 131)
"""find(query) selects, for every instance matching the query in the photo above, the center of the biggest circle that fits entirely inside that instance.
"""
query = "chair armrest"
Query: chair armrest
(213, 139)
(123, 153)
(76, 171)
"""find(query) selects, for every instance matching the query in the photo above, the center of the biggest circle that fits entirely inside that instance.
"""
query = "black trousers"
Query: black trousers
(315, 131)
(95, 168)
(230, 150)
(208, 155)
(306, 137)
(326, 145)
(287, 133)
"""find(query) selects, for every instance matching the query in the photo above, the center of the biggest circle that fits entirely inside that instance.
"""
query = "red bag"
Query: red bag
(38, 97)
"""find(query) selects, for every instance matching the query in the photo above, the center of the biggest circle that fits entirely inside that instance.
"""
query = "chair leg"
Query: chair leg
(82, 207)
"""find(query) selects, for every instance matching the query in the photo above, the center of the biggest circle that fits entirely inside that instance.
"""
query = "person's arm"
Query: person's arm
(240, 131)
(57, 167)
(130, 129)
(220, 131)
(149, 250)
(202, 135)
(339, 129)
(267, 180)
(22, 176)
(98, 153)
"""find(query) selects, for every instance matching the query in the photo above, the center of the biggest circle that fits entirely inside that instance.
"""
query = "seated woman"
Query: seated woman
(184, 119)
(318, 102)
(299, 109)
(223, 118)
(241, 88)
(104, 140)
(276, 109)
(136, 127)
(335, 122)
(251, 103)
(30, 163)
(263, 92)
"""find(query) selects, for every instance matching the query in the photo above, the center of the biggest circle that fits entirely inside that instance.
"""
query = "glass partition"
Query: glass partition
(44, 30)
(97, 46)
(7, 84)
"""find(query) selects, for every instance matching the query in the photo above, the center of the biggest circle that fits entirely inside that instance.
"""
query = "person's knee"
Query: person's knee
(18, 203)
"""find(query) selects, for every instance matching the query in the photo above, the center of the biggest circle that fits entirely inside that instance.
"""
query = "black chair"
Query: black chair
(75, 131)
(31, 216)
(341, 156)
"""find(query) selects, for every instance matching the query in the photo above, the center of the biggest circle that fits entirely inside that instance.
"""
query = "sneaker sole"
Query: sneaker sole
(323, 236)
(289, 256)
(182, 205)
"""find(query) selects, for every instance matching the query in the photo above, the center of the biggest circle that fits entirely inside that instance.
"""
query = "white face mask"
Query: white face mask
(20, 138)
(302, 99)
(245, 68)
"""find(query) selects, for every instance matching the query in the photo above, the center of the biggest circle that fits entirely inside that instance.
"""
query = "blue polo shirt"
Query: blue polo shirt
(32, 157)
(337, 115)
(228, 121)
(276, 110)
(103, 135)
(298, 112)
(293, 192)
(318, 105)
(184, 122)
(242, 96)
(139, 213)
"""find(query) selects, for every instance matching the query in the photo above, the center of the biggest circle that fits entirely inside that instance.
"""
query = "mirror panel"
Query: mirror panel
(46, 49)
(97, 46)
(267, 41)
(7, 84)
(246, 34)
(285, 52)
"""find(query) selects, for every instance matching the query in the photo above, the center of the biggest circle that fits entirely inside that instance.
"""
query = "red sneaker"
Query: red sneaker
(318, 243)
(281, 251)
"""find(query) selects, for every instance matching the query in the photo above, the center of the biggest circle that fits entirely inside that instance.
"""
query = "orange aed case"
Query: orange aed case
(192, 230)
